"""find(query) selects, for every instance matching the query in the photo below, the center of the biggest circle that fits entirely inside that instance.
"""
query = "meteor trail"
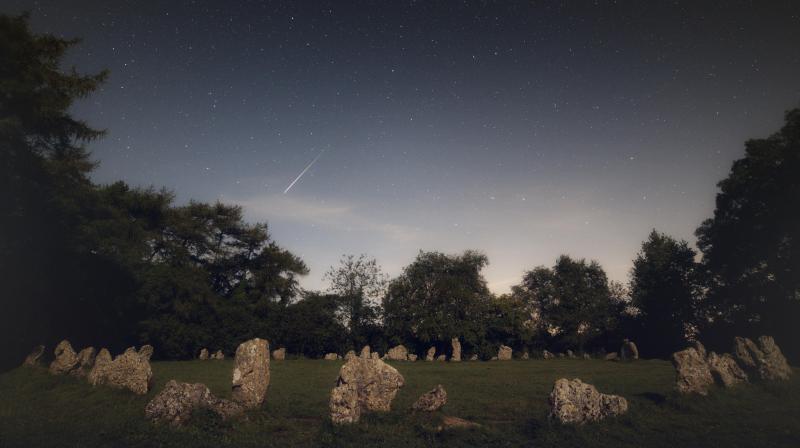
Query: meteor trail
(301, 173)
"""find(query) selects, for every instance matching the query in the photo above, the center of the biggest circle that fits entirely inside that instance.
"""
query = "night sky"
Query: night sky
(522, 129)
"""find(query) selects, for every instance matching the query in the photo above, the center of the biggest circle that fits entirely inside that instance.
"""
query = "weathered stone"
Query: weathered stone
(331, 357)
(432, 400)
(504, 353)
(412, 357)
(372, 382)
(763, 360)
(431, 355)
(398, 353)
(577, 402)
(146, 351)
(526, 355)
(613, 356)
(725, 370)
(251, 373)
(203, 354)
(450, 422)
(85, 362)
(174, 405)
(218, 355)
(365, 352)
(279, 354)
(456, 356)
(441, 358)
(35, 356)
(65, 359)
(628, 351)
(570, 354)
(350, 354)
(474, 357)
(701, 349)
(373, 355)
(547, 355)
(692, 372)
(102, 362)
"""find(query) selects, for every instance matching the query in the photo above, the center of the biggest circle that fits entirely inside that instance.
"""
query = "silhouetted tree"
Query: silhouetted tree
(751, 247)
(664, 292)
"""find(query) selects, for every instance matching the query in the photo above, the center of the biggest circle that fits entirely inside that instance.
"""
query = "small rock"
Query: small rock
(450, 422)
(586, 356)
(692, 372)
(473, 358)
(397, 353)
(279, 354)
(441, 358)
(218, 355)
(35, 357)
(577, 402)
(431, 354)
(613, 356)
(66, 359)
(251, 373)
(331, 357)
(570, 354)
(412, 357)
(432, 400)
(504, 353)
(203, 354)
(547, 355)
(628, 351)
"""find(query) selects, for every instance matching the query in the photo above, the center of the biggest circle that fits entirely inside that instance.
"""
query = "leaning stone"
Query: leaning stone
(725, 370)
(279, 354)
(331, 357)
(504, 353)
(99, 372)
(363, 385)
(365, 352)
(35, 356)
(412, 357)
(397, 353)
(577, 402)
(628, 351)
(431, 355)
(456, 357)
(441, 358)
(251, 373)
(85, 362)
(176, 402)
(547, 355)
(66, 359)
(203, 354)
(764, 360)
(432, 400)
(692, 372)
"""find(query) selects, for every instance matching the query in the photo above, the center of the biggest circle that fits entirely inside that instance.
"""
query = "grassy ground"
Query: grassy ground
(509, 400)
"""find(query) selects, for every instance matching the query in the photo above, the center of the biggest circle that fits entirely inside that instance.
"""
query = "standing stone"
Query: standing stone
(570, 354)
(35, 357)
(363, 385)
(431, 401)
(66, 359)
(397, 353)
(431, 354)
(279, 354)
(412, 357)
(203, 354)
(628, 351)
(350, 354)
(251, 373)
(763, 360)
(474, 357)
(85, 362)
(365, 352)
(99, 372)
(331, 357)
(504, 353)
(441, 358)
(456, 357)
(725, 370)
(577, 402)
(526, 355)
(692, 372)
(176, 402)
(218, 355)
(547, 355)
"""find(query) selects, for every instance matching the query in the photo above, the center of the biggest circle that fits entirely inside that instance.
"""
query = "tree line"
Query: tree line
(113, 265)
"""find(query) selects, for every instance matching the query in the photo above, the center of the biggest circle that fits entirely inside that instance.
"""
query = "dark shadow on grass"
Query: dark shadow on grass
(654, 397)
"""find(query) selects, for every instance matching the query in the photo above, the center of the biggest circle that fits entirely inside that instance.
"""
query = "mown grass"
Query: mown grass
(509, 400)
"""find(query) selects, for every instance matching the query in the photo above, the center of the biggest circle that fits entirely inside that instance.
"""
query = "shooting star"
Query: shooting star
(301, 173)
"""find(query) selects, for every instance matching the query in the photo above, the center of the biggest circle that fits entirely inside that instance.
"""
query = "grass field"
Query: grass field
(509, 400)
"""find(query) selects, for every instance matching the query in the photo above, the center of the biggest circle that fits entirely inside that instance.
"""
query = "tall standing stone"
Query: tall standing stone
(431, 354)
(251, 373)
(456, 357)
(692, 372)
(65, 359)
(35, 356)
